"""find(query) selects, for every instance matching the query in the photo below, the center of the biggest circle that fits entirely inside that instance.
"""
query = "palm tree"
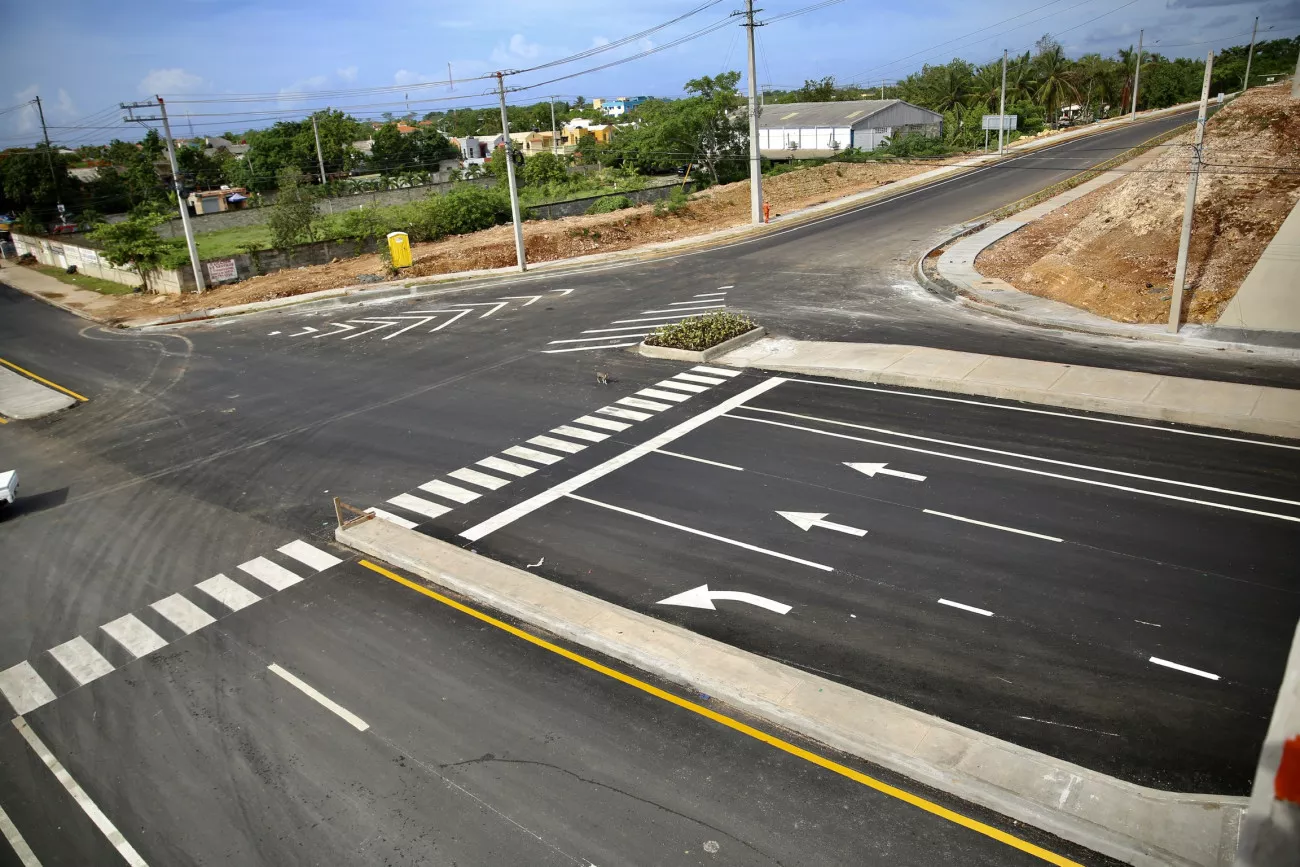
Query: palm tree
(986, 85)
(1091, 74)
(1055, 79)
(946, 86)
(1021, 78)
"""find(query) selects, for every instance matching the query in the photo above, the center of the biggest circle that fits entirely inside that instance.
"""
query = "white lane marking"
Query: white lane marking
(309, 555)
(24, 852)
(24, 688)
(643, 404)
(1025, 470)
(451, 492)
(589, 339)
(578, 433)
(391, 518)
(510, 468)
(89, 807)
(708, 294)
(604, 423)
(474, 477)
(558, 445)
(699, 307)
(872, 469)
(659, 394)
(969, 608)
(644, 329)
(419, 505)
(726, 287)
(707, 380)
(496, 522)
(272, 334)
(716, 371)
(1147, 623)
(693, 531)
(532, 299)
(131, 632)
(187, 616)
(1187, 669)
(992, 526)
(339, 325)
(662, 320)
(419, 320)
(807, 520)
(693, 303)
(1065, 794)
(1192, 433)
(681, 386)
(533, 455)
(589, 348)
(448, 322)
(701, 460)
(315, 695)
(81, 660)
(702, 597)
(228, 593)
(619, 412)
(307, 330)
(272, 574)
(383, 323)
(1028, 457)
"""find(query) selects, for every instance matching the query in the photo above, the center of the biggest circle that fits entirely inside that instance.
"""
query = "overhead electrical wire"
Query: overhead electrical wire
(805, 10)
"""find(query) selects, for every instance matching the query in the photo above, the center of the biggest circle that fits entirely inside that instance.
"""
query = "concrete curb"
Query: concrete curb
(709, 354)
(23, 399)
(1135, 824)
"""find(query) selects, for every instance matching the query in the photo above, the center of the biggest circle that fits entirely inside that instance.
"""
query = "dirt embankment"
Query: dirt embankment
(1113, 251)
(547, 240)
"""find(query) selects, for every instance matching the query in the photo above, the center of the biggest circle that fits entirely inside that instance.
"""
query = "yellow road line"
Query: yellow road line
(784, 746)
(42, 379)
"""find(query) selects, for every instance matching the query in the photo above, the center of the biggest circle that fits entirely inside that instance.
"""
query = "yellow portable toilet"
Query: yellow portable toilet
(399, 247)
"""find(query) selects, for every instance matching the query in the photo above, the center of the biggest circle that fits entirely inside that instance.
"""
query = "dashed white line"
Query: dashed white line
(1184, 668)
(533, 455)
(474, 477)
(131, 632)
(662, 320)
(455, 493)
(717, 371)
(315, 695)
(685, 303)
(591, 339)
(604, 423)
(642, 328)
(588, 348)
(24, 688)
(699, 460)
(419, 505)
(24, 852)
(558, 445)
(309, 555)
(510, 468)
(659, 394)
(89, 807)
(271, 574)
(619, 412)
(991, 526)
(700, 307)
(187, 616)
(578, 433)
(234, 596)
(81, 660)
(969, 608)
(391, 518)
(708, 294)
(642, 404)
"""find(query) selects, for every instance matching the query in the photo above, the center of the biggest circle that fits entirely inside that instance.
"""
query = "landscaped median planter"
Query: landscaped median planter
(701, 338)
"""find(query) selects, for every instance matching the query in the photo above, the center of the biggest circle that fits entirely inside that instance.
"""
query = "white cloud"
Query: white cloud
(644, 44)
(67, 108)
(347, 73)
(518, 49)
(173, 80)
(599, 41)
(25, 121)
(406, 76)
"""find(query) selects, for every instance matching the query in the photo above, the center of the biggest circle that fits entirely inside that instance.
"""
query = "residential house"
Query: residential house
(580, 126)
(618, 106)
(822, 129)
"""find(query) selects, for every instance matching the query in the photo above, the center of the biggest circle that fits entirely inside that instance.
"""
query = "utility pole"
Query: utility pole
(1002, 105)
(176, 180)
(49, 154)
(1250, 55)
(1137, 77)
(320, 160)
(1185, 239)
(510, 175)
(555, 144)
(755, 156)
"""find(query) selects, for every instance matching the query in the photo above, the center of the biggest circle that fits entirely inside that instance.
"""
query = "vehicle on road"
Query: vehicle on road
(8, 487)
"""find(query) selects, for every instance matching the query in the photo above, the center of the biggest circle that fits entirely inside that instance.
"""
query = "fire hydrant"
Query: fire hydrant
(767, 212)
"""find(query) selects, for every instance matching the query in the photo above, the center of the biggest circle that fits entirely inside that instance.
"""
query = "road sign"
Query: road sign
(1010, 121)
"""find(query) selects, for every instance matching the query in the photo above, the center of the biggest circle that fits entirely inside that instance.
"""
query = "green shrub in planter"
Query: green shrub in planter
(699, 333)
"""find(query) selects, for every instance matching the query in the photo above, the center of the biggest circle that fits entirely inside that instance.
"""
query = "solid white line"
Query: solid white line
(684, 303)
(592, 339)
(309, 555)
(368, 330)
(662, 320)
(131, 632)
(527, 454)
(707, 380)
(1196, 671)
(187, 616)
(717, 371)
(510, 468)
(81, 660)
(556, 445)
(79, 795)
(604, 423)
(1192, 433)
(419, 505)
(709, 295)
(390, 517)
(315, 695)
(658, 394)
(619, 412)
(578, 433)
(474, 477)
(272, 574)
(228, 593)
(24, 852)
(681, 386)
(726, 287)
(693, 531)
(701, 460)
(969, 608)
(452, 492)
(588, 348)
(642, 328)
(643, 404)
(1028, 457)
(993, 526)
(496, 522)
(1023, 469)
(701, 307)
(24, 688)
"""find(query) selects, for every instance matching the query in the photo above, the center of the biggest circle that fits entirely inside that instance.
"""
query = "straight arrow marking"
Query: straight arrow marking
(703, 597)
(872, 469)
(532, 299)
(807, 520)
(307, 330)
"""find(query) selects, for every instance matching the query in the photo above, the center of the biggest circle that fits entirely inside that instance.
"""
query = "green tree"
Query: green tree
(134, 244)
(1055, 77)
(814, 90)
(392, 152)
(26, 180)
(294, 218)
(544, 168)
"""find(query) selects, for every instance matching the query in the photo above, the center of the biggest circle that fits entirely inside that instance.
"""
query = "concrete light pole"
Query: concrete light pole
(1137, 77)
(320, 160)
(510, 175)
(1002, 105)
(1250, 55)
(1184, 239)
(755, 156)
(555, 143)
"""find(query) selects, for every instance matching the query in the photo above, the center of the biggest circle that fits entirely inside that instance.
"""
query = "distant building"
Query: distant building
(619, 106)
(215, 201)
(821, 129)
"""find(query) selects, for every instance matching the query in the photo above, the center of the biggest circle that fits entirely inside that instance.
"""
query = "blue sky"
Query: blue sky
(219, 48)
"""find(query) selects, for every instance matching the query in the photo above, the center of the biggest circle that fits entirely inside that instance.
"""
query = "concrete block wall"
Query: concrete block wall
(61, 253)
(574, 207)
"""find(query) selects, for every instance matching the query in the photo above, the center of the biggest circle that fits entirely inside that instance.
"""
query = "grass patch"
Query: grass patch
(698, 333)
(85, 281)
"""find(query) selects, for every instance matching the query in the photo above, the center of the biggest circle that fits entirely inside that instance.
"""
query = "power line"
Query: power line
(805, 10)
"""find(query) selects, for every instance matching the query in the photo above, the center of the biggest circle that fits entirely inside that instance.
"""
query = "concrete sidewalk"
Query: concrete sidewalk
(1231, 406)
(1135, 824)
(85, 303)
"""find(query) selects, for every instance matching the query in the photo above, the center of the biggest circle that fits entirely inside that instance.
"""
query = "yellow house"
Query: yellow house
(578, 127)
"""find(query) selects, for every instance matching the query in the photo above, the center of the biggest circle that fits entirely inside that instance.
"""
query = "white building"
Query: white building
(821, 129)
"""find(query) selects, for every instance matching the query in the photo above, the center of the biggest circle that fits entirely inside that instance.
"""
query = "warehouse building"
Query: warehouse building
(821, 129)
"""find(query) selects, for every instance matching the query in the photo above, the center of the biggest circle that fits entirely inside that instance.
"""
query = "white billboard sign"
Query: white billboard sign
(991, 121)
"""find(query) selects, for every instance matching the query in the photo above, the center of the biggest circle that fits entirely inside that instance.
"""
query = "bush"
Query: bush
(363, 223)
(915, 144)
(698, 333)
(465, 208)
(676, 200)
(609, 204)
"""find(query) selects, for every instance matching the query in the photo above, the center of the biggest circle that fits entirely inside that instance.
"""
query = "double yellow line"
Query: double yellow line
(43, 381)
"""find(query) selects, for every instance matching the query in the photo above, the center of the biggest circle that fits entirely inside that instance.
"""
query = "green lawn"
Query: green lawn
(226, 242)
(85, 281)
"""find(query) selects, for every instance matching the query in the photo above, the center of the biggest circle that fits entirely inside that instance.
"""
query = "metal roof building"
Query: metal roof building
(820, 129)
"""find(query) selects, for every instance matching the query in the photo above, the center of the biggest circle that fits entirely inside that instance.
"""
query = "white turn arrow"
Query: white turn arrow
(532, 299)
(307, 330)
(495, 305)
(338, 325)
(872, 469)
(562, 292)
(807, 520)
(703, 597)
(383, 323)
